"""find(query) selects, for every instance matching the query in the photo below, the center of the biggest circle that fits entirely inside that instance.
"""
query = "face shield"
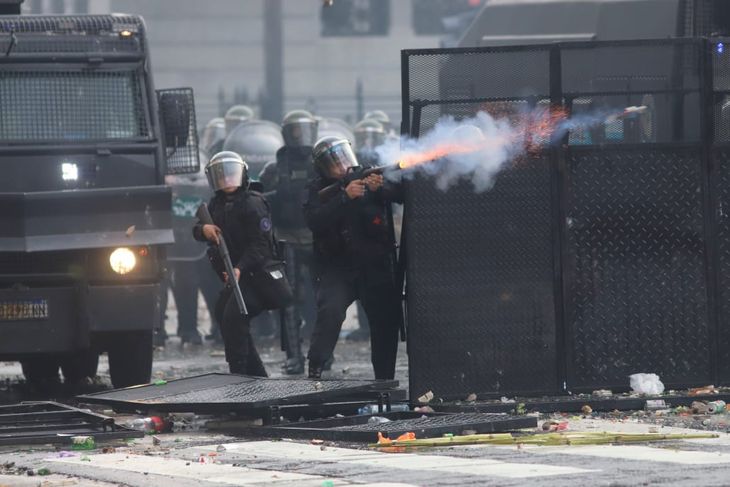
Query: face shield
(368, 141)
(226, 170)
(333, 157)
(300, 133)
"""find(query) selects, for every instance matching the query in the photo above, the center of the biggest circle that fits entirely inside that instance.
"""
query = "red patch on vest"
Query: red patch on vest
(377, 220)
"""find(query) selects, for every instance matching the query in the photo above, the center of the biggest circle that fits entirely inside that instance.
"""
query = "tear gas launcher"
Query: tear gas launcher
(204, 216)
(329, 191)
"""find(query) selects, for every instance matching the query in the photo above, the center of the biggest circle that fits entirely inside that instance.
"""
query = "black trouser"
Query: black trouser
(185, 284)
(303, 309)
(374, 286)
(240, 350)
(210, 286)
(304, 299)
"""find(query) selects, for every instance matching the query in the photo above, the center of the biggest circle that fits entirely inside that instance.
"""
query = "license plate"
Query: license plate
(30, 309)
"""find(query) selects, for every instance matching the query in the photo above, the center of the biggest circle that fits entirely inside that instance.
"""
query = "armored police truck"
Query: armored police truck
(85, 144)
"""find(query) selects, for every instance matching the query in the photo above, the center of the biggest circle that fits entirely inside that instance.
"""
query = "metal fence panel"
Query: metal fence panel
(480, 285)
(636, 296)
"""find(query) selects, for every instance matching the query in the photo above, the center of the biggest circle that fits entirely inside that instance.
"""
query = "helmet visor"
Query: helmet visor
(368, 140)
(336, 160)
(226, 174)
(300, 133)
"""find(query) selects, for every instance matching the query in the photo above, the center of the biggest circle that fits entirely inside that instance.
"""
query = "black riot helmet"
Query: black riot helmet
(226, 170)
(379, 116)
(213, 132)
(369, 134)
(236, 115)
(299, 129)
(256, 141)
(333, 157)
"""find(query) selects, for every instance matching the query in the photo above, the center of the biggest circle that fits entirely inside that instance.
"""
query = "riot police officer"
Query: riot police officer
(213, 133)
(285, 181)
(243, 218)
(353, 256)
(234, 116)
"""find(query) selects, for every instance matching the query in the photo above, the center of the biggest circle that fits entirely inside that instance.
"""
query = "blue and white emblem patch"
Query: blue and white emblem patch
(265, 224)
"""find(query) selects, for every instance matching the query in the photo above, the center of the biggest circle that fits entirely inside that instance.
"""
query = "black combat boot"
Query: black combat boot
(294, 366)
(238, 367)
(315, 371)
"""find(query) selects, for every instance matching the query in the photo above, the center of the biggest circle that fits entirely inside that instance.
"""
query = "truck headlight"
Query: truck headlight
(122, 260)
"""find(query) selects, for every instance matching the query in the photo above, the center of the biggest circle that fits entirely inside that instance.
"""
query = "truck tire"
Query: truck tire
(80, 365)
(130, 358)
(41, 371)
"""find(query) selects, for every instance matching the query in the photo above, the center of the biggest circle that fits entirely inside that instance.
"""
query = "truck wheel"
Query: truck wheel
(41, 371)
(80, 365)
(130, 358)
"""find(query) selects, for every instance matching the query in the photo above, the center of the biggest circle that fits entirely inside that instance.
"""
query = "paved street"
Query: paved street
(194, 455)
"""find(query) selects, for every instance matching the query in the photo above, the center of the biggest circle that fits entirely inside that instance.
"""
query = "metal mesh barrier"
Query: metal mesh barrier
(217, 392)
(72, 34)
(71, 106)
(721, 207)
(636, 286)
(587, 264)
(361, 429)
(180, 135)
(480, 285)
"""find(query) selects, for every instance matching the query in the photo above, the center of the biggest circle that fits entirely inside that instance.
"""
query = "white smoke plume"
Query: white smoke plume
(478, 148)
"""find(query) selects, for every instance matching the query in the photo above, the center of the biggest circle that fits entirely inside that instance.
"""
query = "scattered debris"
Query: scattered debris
(130, 231)
(220, 448)
(426, 398)
(108, 449)
(586, 410)
(698, 407)
(553, 425)
(716, 407)
(544, 439)
(43, 471)
(317, 442)
(655, 404)
(701, 391)
(471, 397)
(156, 441)
(646, 384)
(505, 400)
(602, 393)
(423, 409)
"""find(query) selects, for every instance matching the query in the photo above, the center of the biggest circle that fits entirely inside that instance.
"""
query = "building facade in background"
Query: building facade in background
(336, 62)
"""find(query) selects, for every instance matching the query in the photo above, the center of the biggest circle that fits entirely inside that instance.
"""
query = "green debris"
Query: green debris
(43, 471)
(328, 483)
(521, 409)
(160, 382)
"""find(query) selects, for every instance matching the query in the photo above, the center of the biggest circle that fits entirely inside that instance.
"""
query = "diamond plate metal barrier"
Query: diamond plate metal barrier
(636, 286)
(227, 392)
(360, 429)
(594, 267)
(480, 288)
(721, 209)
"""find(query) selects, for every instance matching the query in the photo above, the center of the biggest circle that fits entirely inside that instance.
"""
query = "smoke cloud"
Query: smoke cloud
(477, 149)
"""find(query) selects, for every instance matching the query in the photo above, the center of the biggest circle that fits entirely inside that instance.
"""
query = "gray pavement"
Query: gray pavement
(194, 455)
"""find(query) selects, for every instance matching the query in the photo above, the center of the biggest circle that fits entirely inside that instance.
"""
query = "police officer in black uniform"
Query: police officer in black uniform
(285, 182)
(353, 260)
(243, 218)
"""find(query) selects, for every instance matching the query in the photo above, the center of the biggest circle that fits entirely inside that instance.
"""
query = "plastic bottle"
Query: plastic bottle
(716, 407)
(82, 443)
(153, 424)
(373, 408)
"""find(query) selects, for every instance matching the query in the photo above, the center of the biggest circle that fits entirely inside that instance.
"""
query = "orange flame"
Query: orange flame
(531, 132)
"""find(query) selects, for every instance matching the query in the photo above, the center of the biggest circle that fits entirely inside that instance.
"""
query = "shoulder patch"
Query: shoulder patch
(265, 224)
